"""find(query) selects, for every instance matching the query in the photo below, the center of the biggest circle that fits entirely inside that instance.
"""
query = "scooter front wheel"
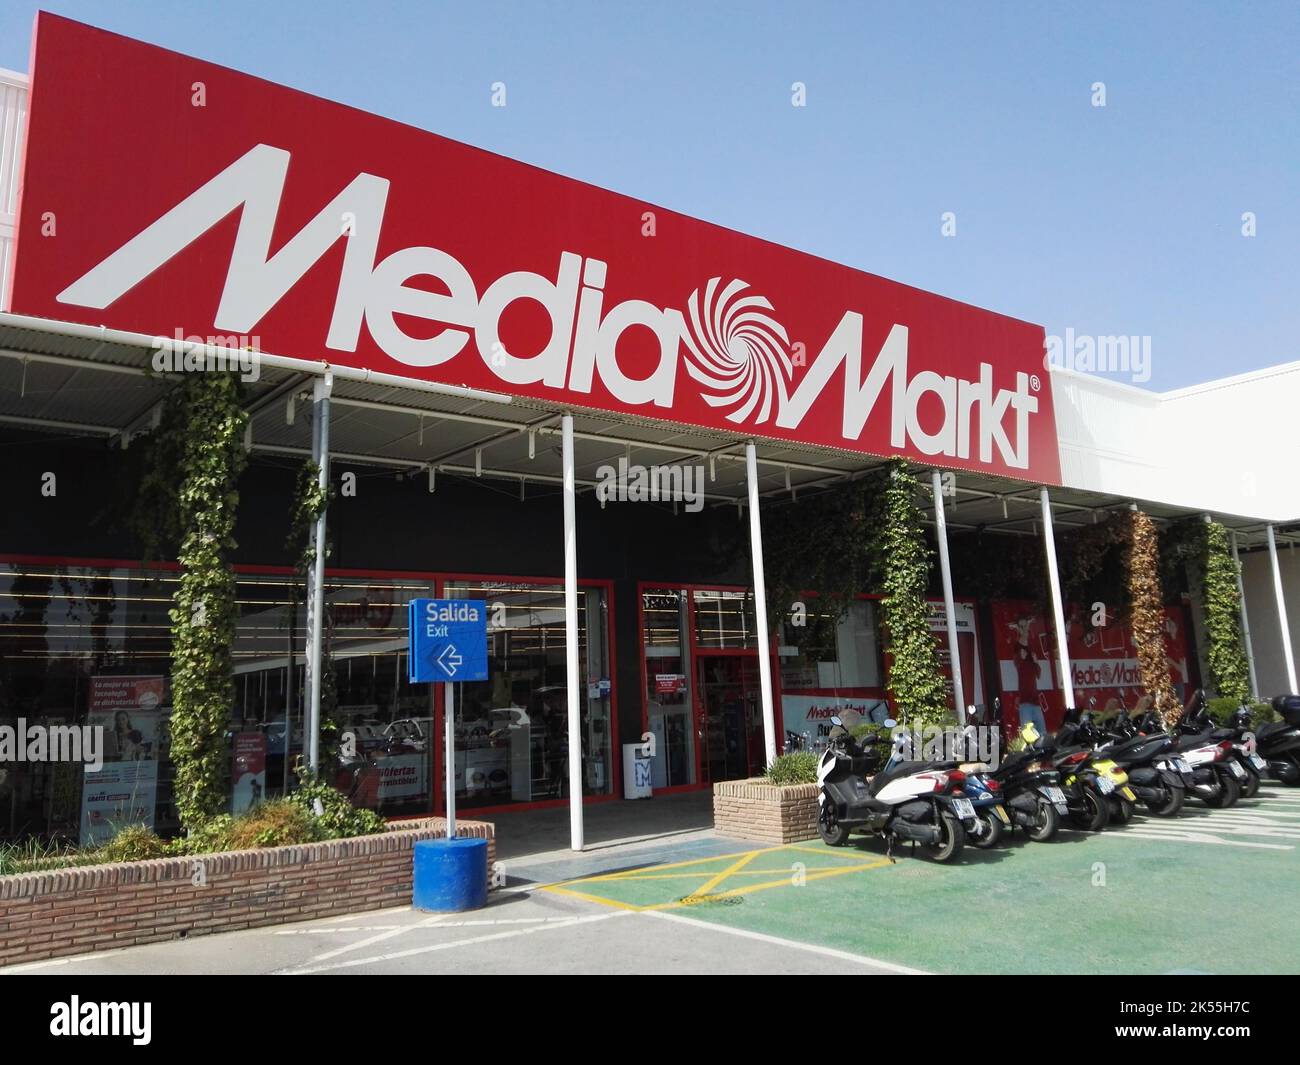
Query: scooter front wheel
(1171, 806)
(992, 834)
(1046, 822)
(1095, 814)
(832, 832)
(952, 837)
(1250, 785)
(1227, 795)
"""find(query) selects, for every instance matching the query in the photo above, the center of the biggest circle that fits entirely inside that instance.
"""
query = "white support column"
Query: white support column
(760, 607)
(1058, 609)
(949, 607)
(574, 683)
(1245, 622)
(316, 593)
(1281, 612)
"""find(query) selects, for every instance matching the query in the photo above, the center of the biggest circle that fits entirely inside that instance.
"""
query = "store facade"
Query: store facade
(476, 367)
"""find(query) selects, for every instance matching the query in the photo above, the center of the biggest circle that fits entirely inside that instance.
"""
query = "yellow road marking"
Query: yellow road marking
(713, 877)
(624, 874)
(744, 860)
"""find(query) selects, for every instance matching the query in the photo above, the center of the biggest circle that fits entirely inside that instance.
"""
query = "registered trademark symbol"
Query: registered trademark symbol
(1034, 383)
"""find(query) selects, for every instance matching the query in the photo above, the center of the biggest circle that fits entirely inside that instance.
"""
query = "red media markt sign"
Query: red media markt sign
(164, 193)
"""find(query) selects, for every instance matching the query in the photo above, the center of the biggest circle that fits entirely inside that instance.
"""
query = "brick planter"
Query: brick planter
(766, 813)
(103, 907)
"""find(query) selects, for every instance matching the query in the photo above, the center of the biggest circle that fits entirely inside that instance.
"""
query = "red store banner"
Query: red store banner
(162, 194)
(1103, 659)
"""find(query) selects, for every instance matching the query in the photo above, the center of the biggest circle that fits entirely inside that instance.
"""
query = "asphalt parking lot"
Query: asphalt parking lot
(1213, 891)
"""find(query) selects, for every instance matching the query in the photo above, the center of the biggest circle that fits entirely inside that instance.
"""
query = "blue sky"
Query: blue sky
(1117, 220)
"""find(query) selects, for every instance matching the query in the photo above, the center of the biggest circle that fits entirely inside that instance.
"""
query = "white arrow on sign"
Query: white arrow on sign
(449, 660)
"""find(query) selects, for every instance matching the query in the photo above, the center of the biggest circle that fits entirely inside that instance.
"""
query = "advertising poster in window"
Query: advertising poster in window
(971, 673)
(248, 772)
(123, 792)
(1103, 659)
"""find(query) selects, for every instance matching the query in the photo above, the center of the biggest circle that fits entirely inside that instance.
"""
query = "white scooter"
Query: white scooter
(911, 801)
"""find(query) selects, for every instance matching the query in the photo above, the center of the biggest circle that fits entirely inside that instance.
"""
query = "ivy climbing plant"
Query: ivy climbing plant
(1147, 612)
(902, 559)
(207, 429)
(820, 544)
(1226, 654)
(1118, 561)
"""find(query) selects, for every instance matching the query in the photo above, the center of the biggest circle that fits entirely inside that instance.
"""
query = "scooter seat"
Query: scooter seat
(903, 769)
(1271, 728)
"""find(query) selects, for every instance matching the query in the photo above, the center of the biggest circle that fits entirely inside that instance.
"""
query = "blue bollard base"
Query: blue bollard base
(450, 875)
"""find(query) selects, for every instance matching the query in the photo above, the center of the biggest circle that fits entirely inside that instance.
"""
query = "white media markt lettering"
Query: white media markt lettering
(574, 302)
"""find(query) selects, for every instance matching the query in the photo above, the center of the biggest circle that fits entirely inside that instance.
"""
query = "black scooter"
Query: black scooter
(1159, 776)
(1278, 742)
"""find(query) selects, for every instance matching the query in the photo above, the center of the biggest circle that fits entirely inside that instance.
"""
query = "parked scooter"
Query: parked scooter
(1239, 759)
(1031, 789)
(912, 801)
(1088, 778)
(1278, 742)
(1158, 775)
(984, 793)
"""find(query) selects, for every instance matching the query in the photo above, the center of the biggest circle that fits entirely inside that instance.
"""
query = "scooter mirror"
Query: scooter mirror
(889, 722)
(835, 720)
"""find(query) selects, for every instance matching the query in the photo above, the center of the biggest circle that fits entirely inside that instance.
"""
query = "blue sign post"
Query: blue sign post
(448, 645)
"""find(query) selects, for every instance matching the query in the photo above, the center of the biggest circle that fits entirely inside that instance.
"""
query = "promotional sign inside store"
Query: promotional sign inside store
(246, 212)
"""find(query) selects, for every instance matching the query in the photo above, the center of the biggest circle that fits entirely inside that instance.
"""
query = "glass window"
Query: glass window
(92, 647)
(89, 648)
(724, 620)
(668, 686)
(384, 723)
(817, 655)
(512, 737)
(831, 670)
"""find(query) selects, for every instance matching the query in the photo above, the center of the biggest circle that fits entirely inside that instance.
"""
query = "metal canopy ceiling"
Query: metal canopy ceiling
(87, 385)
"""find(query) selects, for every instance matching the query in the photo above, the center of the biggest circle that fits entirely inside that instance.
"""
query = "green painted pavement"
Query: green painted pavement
(1210, 891)
(1111, 902)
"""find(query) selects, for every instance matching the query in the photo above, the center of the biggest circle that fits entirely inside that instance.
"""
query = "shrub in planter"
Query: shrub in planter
(332, 812)
(1221, 709)
(797, 767)
(134, 843)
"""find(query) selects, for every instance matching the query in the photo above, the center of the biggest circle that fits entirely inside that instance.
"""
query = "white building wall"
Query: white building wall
(13, 120)
(1229, 447)
(1261, 607)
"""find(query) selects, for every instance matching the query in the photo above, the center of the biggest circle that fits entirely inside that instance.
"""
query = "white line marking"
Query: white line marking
(29, 966)
(450, 946)
(377, 938)
(1195, 837)
(777, 941)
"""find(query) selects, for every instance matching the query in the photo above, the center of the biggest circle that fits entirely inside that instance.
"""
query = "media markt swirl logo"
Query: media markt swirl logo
(739, 353)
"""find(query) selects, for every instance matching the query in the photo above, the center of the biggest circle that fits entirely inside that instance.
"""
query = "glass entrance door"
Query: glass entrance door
(731, 708)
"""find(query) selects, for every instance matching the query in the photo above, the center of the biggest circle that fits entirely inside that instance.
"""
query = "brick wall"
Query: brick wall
(766, 813)
(103, 907)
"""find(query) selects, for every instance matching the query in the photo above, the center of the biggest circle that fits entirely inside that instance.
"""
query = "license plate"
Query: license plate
(1002, 815)
(1105, 786)
(1055, 795)
(1258, 762)
(963, 808)
(1182, 765)
(1237, 771)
